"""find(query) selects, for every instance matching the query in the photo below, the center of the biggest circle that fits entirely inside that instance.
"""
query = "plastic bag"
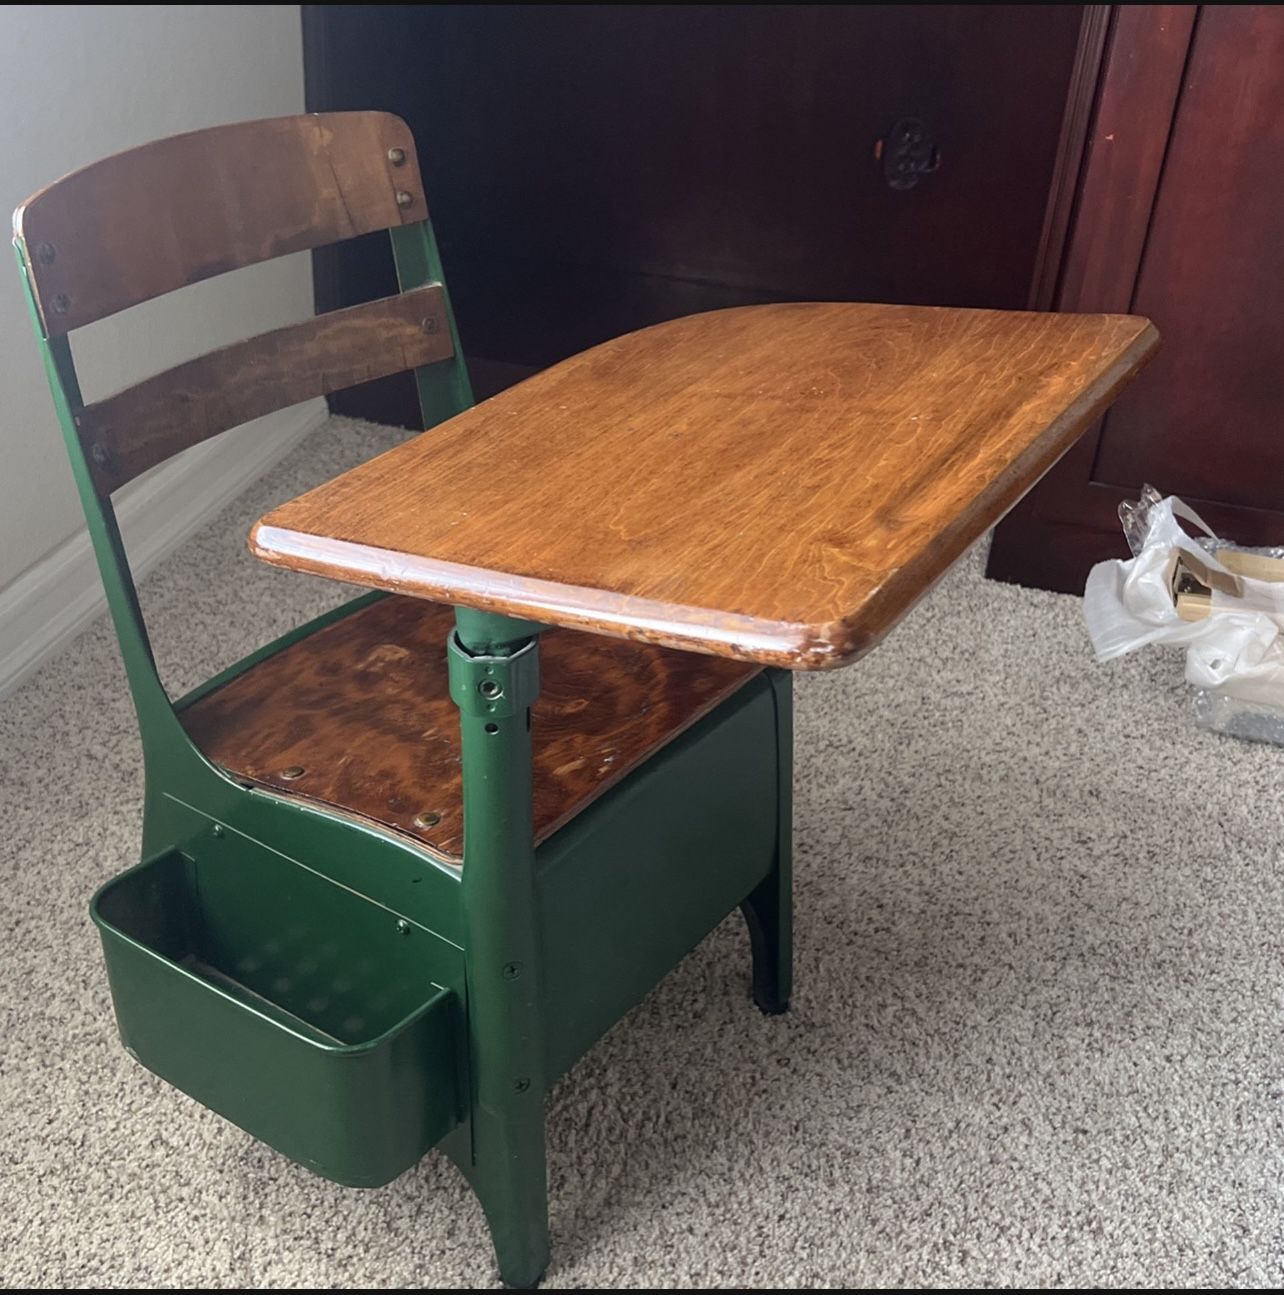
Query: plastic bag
(1237, 650)
(1252, 721)
(1135, 518)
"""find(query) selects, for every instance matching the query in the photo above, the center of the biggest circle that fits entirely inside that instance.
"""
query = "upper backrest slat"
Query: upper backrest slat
(152, 219)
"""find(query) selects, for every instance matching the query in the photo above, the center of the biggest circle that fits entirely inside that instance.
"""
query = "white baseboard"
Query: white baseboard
(52, 601)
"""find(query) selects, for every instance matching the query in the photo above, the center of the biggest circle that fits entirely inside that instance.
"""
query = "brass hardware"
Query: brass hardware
(292, 772)
(428, 818)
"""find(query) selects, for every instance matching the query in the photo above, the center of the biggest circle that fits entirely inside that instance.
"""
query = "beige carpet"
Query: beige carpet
(1036, 1035)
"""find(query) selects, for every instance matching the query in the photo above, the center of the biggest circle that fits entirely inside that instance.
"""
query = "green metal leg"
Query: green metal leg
(769, 909)
(768, 914)
(494, 679)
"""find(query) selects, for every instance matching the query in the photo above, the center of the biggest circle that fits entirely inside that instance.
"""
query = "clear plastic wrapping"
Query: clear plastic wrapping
(1252, 721)
(1135, 516)
(1223, 712)
(1229, 616)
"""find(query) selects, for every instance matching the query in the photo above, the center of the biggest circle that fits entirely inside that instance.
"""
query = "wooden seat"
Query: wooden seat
(358, 716)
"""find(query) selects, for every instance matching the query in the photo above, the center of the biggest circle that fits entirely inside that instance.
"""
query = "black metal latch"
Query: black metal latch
(907, 152)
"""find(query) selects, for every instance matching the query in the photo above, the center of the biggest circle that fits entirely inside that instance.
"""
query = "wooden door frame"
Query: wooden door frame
(1068, 520)
(1081, 99)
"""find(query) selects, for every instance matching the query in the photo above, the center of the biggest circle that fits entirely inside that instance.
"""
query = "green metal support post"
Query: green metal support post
(494, 680)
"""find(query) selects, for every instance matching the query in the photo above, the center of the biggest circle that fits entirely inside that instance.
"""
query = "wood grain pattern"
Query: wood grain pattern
(154, 218)
(137, 428)
(775, 484)
(363, 709)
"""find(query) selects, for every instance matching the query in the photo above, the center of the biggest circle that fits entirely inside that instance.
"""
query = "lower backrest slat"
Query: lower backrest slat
(135, 429)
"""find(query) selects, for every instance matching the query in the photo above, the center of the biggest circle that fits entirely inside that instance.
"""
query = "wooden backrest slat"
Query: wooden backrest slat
(135, 429)
(147, 221)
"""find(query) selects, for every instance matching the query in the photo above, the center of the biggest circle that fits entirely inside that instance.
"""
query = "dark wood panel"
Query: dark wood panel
(773, 483)
(735, 144)
(145, 424)
(1066, 523)
(1194, 94)
(513, 322)
(154, 218)
(359, 716)
(1206, 420)
(1125, 155)
(594, 169)
(1081, 102)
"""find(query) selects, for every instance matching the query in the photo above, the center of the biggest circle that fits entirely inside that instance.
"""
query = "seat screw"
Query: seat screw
(45, 254)
(292, 772)
(404, 199)
(429, 818)
(430, 325)
(396, 156)
(62, 302)
(99, 453)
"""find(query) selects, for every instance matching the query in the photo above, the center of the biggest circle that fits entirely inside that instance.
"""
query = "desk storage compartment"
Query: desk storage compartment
(292, 1006)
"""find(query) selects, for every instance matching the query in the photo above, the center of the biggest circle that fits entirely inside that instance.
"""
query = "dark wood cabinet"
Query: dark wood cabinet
(593, 169)
(1180, 216)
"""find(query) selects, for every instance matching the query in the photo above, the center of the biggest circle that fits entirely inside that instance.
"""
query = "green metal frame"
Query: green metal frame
(518, 961)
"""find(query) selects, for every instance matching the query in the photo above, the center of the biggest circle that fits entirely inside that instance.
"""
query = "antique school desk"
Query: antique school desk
(403, 867)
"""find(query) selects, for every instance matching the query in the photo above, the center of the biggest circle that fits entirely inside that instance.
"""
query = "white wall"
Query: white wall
(77, 83)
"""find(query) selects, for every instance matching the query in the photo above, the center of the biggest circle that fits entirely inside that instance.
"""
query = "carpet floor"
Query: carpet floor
(1035, 1038)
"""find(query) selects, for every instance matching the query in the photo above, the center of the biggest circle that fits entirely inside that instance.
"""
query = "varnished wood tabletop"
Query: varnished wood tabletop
(773, 483)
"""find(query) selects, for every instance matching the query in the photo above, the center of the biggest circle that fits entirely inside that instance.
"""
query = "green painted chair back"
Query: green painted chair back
(167, 214)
